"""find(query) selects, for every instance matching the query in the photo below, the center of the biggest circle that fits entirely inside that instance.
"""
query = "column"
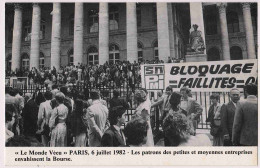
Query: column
(131, 27)
(163, 31)
(196, 17)
(249, 31)
(224, 30)
(78, 33)
(17, 37)
(55, 36)
(103, 32)
(171, 31)
(35, 37)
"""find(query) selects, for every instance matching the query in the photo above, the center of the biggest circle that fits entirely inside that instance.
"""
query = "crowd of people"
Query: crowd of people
(58, 118)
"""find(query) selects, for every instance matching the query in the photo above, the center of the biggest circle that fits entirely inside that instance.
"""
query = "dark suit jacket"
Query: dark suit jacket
(112, 138)
(227, 118)
(245, 128)
(118, 102)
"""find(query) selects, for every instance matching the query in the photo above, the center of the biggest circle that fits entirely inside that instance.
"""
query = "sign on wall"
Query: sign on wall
(212, 76)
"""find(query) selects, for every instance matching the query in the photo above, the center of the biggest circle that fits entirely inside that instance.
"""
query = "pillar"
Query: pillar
(35, 37)
(131, 26)
(17, 37)
(224, 30)
(196, 17)
(78, 33)
(103, 33)
(55, 35)
(249, 31)
(163, 31)
(171, 30)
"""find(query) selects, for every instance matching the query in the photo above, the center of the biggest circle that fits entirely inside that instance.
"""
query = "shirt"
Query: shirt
(120, 132)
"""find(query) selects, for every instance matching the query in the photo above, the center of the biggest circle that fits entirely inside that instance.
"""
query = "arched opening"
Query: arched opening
(93, 20)
(93, 56)
(114, 55)
(236, 53)
(25, 61)
(155, 50)
(71, 57)
(232, 22)
(140, 52)
(27, 31)
(113, 17)
(41, 63)
(213, 54)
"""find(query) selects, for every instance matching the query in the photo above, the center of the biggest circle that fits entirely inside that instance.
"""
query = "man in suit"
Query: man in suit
(245, 127)
(116, 101)
(96, 117)
(227, 116)
(193, 108)
(114, 135)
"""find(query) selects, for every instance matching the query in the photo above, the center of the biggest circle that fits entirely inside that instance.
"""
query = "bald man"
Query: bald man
(227, 116)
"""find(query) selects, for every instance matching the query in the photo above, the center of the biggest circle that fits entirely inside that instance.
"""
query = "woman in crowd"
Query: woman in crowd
(136, 132)
(177, 130)
(9, 121)
(57, 123)
(79, 130)
(143, 110)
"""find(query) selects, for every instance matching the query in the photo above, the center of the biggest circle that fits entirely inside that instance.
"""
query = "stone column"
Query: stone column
(103, 33)
(171, 30)
(224, 30)
(55, 35)
(163, 31)
(131, 27)
(249, 31)
(196, 17)
(35, 37)
(78, 33)
(17, 37)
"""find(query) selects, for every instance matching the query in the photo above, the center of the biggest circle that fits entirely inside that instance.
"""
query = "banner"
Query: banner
(212, 76)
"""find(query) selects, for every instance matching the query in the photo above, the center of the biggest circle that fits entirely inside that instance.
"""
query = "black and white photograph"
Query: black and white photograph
(131, 74)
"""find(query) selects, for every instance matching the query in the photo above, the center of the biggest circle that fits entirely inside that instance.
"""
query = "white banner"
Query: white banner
(212, 76)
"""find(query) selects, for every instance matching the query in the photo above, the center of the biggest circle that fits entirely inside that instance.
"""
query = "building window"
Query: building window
(232, 22)
(10, 34)
(114, 55)
(25, 62)
(42, 29)
(27, 31)
(93, 20)
(138, 14)
(211, 24)
(154, 14)
(92, 56)
(213, 54)
(140, 52)
(113, 18)
(155, 49)
(8, 62)
(41, 64)
(71, 25)
(236, 53)
(71, 57)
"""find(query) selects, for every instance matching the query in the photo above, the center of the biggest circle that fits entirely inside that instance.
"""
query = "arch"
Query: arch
(113, 17)
(93, 20)
(232, 22)
(236, 53)
(93, 55)
(113, 44)
(70, 56)
(213, 54)
(114, 54)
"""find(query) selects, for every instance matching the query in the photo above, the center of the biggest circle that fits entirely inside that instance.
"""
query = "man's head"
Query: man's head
(48, 95)
(185, 92)
(168, 90)
(250, 89)
(116, 93)
(95, 94)
(64, 90)
(117, 115)
(235, 95)
(159, 93)
(214, 98)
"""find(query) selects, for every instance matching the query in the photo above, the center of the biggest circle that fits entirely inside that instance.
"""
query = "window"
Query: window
(154, 14)
(71, 58)
(41, 64)
(138, 14)
(211, 24)
(114, 55)
(155, 49)
(213, 54)
(140, 52)
(92, 56)
(113, 18)
(42, 29)
(8, 62)
(236, 53)
(71, 25)
(25, 62)
(232, 22)
(93, 20)
(27, 31)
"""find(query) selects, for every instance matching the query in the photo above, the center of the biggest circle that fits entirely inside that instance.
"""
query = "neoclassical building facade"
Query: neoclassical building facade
(58, 34)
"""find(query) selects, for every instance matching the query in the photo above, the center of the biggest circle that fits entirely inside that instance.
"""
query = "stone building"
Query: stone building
(58, 34)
